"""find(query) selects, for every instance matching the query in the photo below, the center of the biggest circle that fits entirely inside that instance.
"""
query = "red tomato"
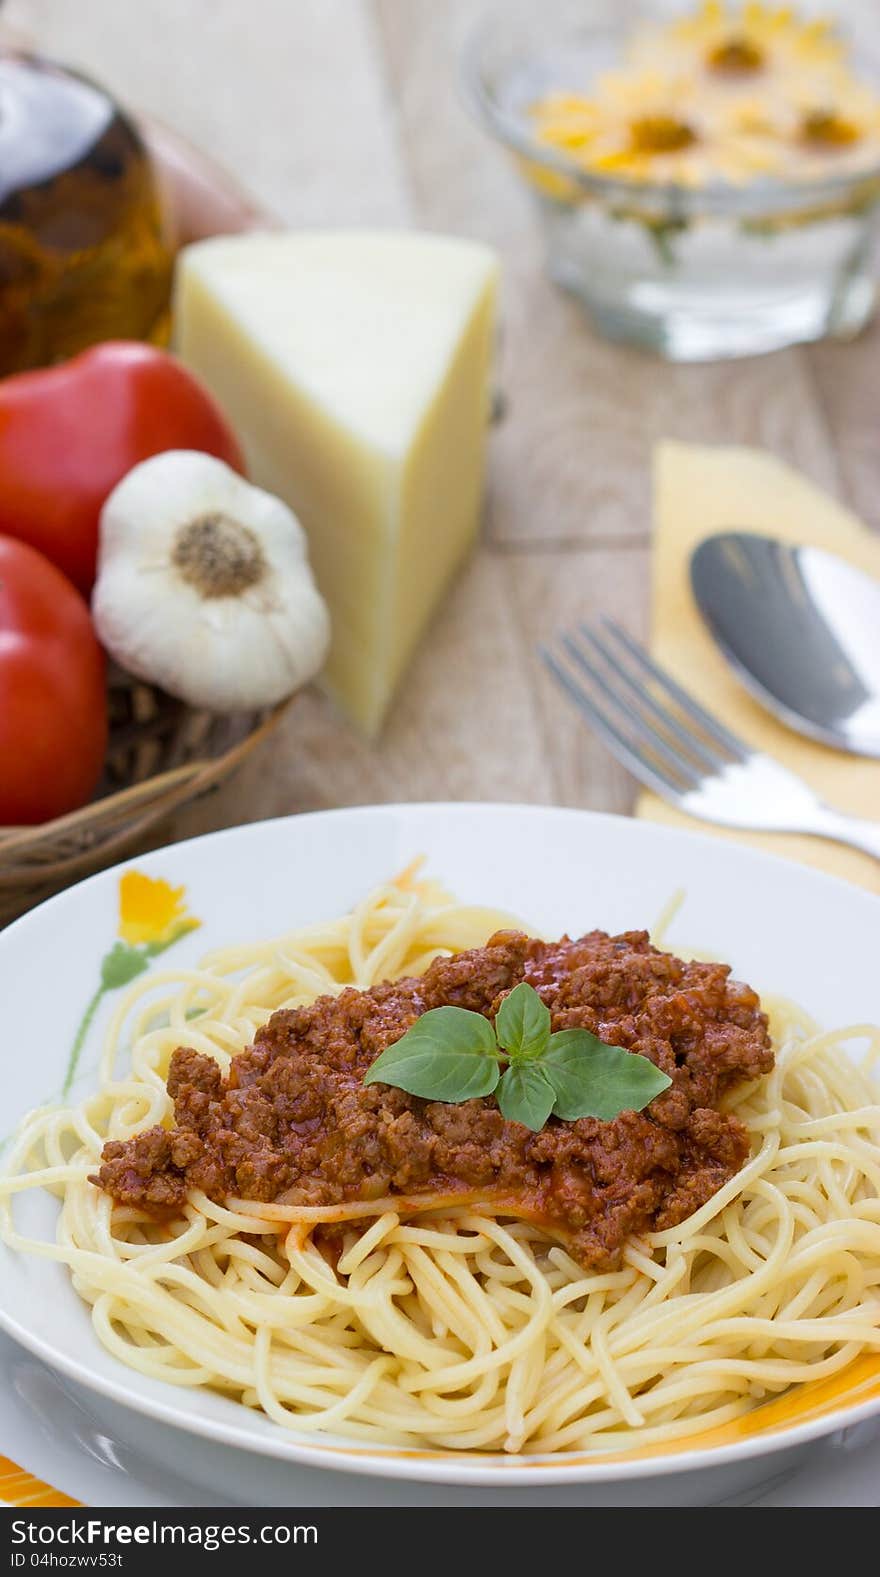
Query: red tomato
(53, 702)
(68, 434)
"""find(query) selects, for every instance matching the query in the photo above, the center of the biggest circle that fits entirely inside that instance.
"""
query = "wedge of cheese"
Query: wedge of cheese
(355, 370)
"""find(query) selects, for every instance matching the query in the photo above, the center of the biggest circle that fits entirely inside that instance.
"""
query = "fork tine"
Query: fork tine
(647, 772)
(706, 721)
(710, 759)
(685, 769)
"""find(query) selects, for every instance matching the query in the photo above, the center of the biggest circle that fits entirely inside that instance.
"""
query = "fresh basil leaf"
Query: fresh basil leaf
(595, 1080)
(449, 1054)
(525, 1095)
(522, 1022)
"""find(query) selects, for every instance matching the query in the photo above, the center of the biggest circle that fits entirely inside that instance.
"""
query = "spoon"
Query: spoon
(801, 628)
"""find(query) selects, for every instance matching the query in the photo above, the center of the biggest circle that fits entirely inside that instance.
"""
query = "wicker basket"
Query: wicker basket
(162, 754)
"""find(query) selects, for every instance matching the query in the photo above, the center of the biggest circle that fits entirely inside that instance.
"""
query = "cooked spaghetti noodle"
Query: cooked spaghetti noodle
(452, 1328)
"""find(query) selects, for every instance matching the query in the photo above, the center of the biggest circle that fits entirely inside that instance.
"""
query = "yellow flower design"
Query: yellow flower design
(151, 910)
(152, 917)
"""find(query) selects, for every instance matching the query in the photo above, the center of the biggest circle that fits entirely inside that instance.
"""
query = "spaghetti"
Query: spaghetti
(452, 1328)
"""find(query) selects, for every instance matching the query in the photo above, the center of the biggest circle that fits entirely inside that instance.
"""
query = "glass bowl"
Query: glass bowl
(693, 273)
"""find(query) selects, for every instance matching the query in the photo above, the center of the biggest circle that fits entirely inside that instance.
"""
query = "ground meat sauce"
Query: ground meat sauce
(295, 1123)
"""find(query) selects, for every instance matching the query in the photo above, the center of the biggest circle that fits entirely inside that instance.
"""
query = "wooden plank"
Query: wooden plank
(478, 716)
(571, 462)
(289, 96)
(465, 725)
(847, 376)
(552, 592)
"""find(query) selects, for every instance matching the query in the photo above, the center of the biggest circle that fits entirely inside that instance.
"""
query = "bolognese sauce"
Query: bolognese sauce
(295, 1124)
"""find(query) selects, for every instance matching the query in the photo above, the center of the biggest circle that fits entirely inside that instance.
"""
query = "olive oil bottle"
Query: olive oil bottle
(84, 250)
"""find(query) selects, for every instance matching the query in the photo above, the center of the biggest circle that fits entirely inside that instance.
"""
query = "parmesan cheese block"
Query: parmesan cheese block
(355, 370)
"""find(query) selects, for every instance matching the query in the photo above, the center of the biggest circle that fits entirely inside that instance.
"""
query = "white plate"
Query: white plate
(783, 927)
(50, 1426)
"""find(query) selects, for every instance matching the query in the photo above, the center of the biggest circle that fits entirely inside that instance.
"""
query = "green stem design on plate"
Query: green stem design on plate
(80, 1037)
(122, 964)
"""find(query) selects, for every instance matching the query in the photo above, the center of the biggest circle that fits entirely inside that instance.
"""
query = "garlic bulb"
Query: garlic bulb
(204, 586)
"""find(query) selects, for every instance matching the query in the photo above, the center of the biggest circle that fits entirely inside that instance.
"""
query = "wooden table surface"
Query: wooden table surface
(347, 112)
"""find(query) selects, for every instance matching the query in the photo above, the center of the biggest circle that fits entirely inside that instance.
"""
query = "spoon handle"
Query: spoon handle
(855, 830)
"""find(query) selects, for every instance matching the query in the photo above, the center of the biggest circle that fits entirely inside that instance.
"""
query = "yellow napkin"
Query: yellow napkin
(698, 491)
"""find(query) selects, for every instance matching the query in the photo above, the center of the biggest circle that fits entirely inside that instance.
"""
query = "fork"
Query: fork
(680, 750)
